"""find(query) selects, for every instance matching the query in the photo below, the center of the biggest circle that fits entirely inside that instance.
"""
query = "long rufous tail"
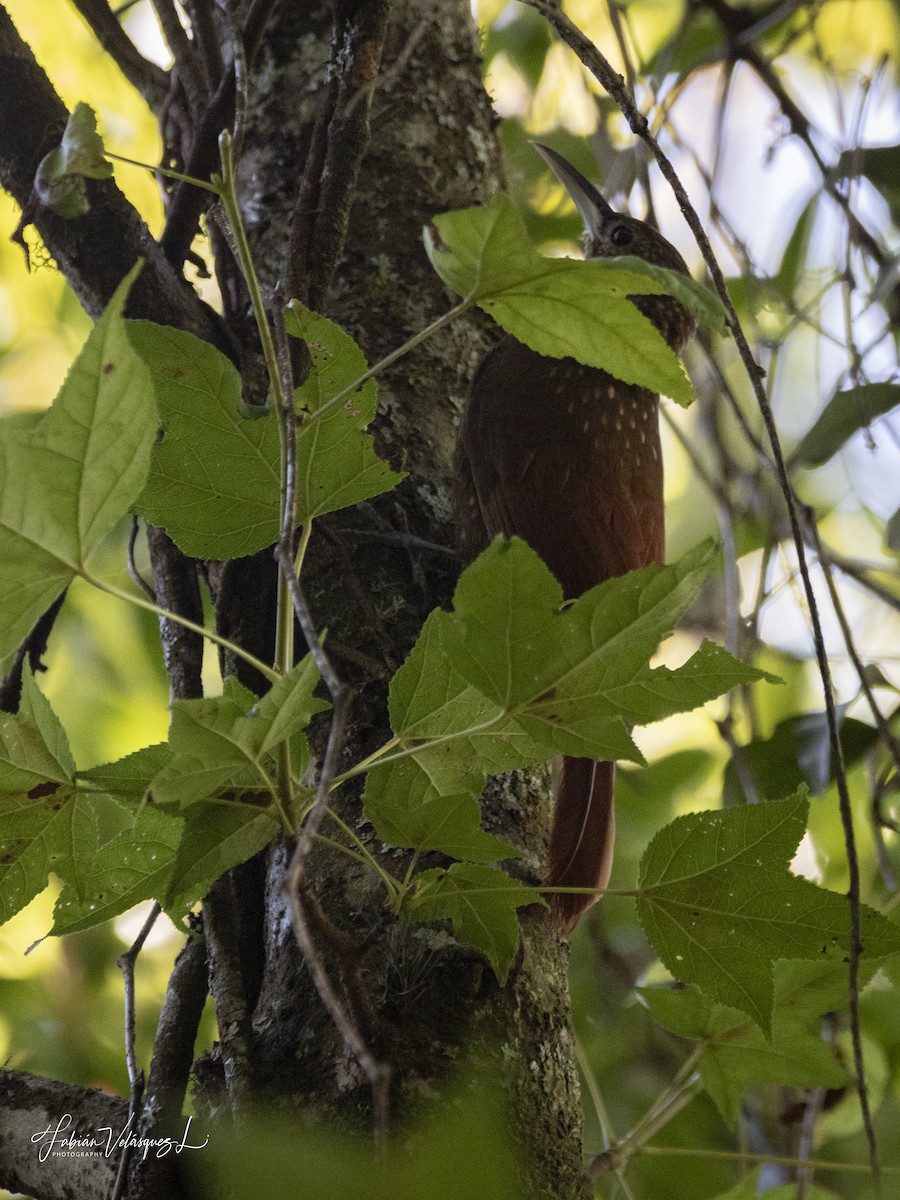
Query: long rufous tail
(582, 837)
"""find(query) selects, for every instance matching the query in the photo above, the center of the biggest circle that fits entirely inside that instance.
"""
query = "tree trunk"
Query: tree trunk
(378, 114)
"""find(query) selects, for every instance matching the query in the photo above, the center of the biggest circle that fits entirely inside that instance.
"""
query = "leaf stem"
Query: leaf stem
(390, 359)
(169, 174)
(380, 757)
(120, 594)
(365, 855)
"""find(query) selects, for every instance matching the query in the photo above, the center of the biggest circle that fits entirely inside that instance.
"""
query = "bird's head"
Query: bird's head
(608, 234)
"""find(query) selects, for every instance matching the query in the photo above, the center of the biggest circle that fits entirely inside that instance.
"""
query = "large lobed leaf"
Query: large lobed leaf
(720, 906)
(214, 478)
(736, 1054)
(565, 307)
(513, 676)
(481, 903)
(228, 741)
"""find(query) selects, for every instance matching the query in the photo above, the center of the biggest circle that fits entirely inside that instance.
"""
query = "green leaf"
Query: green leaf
(133, 866)
(34, 751)
(513, 676)
(213, 481)
(793, 261)
(59, 181)
(481, 903)
(719, 904)
(216, 838)
(130, 776)
(558, 306)
(798, 752)
(66, 480)
(336, 461)
(892, 532)
(429, 801)
(737, 1054)
(844, 414)
(880, 165)
(748, 1189)
(702, 303)
(408, 810)
(228, 741)
(574, 678)
(38, 836)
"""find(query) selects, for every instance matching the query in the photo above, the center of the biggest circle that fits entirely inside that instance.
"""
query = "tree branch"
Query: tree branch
(148, 78)
(29, 1105)
(95, 251)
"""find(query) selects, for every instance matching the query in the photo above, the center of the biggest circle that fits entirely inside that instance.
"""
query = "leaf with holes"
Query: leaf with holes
(720, 906)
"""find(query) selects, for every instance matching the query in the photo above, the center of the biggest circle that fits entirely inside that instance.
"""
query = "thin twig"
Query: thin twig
(183, 52)
(615, 85)
(206, 39)
(149, 79)
(126, 962)
(170, 1065)
(132, 565)
(228, 990)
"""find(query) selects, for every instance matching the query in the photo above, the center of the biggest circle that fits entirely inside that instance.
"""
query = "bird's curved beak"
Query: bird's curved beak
(593, 208)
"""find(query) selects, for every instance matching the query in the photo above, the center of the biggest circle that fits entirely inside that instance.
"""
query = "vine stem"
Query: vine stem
(613, 83)
(284, 412)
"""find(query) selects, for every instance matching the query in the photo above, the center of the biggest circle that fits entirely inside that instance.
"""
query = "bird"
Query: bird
(568, 458)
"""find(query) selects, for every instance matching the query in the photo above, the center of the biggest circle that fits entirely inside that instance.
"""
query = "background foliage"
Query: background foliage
(819, 306)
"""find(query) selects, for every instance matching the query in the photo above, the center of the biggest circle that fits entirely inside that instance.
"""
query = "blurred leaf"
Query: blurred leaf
(798, 752)
(844, 414)
(737, 1054)
(880, 165)
(558, 306)
(67, 480)
(464, 1150)
(892, 533)
(793, 260)
(524, 39)
(59, 182)
(481, 903)
(719, 904)
(748, 1189)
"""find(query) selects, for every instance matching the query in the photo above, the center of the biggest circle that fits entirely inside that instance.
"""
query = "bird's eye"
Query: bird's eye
(620, 236)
